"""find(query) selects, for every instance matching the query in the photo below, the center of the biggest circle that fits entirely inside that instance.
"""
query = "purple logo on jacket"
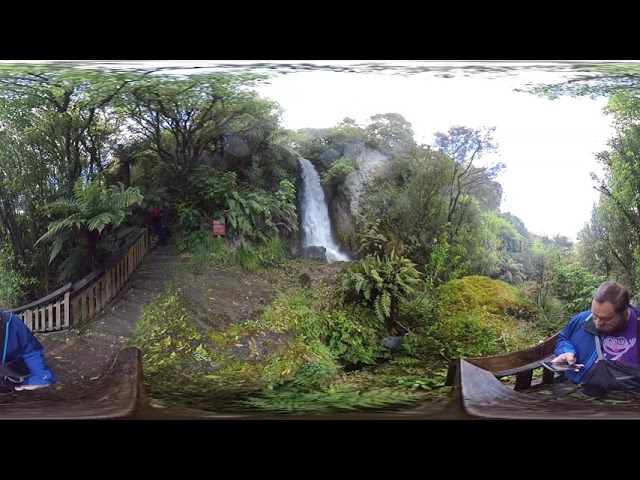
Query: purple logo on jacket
(620, 346)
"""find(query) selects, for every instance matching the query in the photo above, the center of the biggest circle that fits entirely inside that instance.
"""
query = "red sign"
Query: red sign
(218, 228)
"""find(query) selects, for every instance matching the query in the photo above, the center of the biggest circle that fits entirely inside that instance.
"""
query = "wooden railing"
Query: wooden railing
(75, 304)
(520, 364)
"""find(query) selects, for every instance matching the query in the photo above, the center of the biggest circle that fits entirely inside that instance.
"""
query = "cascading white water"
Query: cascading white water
(316, 228)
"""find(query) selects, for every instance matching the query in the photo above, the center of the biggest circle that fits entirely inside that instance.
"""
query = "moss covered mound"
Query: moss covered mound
(479, 316)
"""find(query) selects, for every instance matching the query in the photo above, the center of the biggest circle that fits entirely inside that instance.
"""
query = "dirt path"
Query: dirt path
(220, 297)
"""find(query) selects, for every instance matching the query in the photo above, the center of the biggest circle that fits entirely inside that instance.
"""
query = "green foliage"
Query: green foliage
(352, 337)
(207, 251)
(574, 285)
(494, 297)
(613, 237)
(553, 315)
(78, 261)
(478, 316)
(272, 253)
(93, 209)
(257, 216)
(346, 134)
(315, 390)
(289, 377)
(338, 170)
(209, 189)
(389, 133)
(422, 193)
(593, 244)
(444, 264)
(187, 365)
(188, 241)
(511, 272)
(372, 242)
(305, 144)
(169, 341)
(61, 125)
(467, 334)
(191, 227)
(340, 397)
(410, 348)
(13, 285)
(381, 283)
(257, 219)
(490, 247)
(189, 117)
(404, 201)
(248, 256)
(283, 209)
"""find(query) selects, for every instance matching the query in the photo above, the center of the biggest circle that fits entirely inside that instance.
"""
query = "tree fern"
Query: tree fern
(93, 209)
(381, 283)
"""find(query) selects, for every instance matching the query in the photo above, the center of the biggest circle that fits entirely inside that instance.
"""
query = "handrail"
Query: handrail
(80, 302)
(44, 300)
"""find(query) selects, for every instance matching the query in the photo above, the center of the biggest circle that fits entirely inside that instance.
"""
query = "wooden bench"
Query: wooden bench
(482, 395)
(478, 389)
(520, 364)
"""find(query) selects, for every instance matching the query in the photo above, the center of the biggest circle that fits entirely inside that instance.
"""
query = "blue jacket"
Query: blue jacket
(19, 342)
(578, 337)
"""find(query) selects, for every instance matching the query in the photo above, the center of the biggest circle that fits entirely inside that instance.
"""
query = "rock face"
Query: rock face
(344, 205)
(370, 162)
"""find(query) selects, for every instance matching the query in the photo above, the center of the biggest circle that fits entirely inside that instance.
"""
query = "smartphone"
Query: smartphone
(561, 366)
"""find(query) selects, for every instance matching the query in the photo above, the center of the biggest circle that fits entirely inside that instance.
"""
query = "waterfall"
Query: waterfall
(316, 227)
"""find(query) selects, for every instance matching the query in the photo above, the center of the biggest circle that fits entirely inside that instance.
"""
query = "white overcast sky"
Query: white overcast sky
(548, 146)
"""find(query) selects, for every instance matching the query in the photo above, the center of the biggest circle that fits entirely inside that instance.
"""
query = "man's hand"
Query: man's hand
(568, 357)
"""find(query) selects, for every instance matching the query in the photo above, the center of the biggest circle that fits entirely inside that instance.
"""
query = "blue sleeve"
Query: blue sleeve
(564, 344)
(33, 356)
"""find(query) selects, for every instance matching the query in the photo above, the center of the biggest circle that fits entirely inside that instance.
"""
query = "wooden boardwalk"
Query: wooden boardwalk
(97, 378)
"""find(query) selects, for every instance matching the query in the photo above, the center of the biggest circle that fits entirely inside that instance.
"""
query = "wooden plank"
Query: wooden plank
(50, 317)
(75, 311)
(28, 319)
(99, 294)
(67, 310)
(109, 284)
(91, 301)
(58, 317)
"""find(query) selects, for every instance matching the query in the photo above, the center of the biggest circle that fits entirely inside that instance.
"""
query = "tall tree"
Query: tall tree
(465, 146)
(67, 115)
(186, 118)
(389, 133)
(593, 246)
